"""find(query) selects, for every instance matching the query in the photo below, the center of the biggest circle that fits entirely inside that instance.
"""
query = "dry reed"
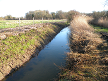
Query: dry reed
(83, 37)
(101, 22)
(83, 62)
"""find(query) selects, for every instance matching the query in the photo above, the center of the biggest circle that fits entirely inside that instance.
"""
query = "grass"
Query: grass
(15, 23)
(17, 50)
(17, 46)
(99, 28)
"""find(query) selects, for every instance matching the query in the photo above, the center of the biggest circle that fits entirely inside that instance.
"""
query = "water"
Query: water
(41, 67)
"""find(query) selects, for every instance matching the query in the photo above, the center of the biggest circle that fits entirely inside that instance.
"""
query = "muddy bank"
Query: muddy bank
(17, 50)
(87, 60)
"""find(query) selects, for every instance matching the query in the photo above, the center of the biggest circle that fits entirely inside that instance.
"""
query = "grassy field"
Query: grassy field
(15, 23)
(99, 28)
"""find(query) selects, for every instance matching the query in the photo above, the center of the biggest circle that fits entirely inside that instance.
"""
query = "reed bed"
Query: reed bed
(101, 22)
(83, 39)
(85, 62)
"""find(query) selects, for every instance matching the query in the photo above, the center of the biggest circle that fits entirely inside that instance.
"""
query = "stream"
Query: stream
(42, 67)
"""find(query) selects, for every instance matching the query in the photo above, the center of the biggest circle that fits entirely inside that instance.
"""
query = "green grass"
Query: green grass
(99, 28)
(15, 23)
(14, 46)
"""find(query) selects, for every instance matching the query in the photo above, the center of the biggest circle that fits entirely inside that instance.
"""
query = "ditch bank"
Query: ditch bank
(17, 50)
(88, 58)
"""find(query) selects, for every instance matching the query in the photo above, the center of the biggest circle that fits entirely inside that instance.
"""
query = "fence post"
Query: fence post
(19, 21)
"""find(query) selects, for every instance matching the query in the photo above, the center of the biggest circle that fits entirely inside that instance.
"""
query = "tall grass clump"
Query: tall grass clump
(100, 21)
(84, 61)
(83, 38)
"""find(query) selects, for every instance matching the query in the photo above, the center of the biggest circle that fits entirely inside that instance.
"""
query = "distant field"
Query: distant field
(15, 23)
(100, 28)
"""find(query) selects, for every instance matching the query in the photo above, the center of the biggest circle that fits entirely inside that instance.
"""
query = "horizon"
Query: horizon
(19, 8)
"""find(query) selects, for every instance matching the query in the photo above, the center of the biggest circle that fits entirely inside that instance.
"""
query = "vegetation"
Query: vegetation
(9, 17)
(98, 14)
(11, 22)
(88, 57)
(39, 14)
(100, 22)
(100, 28)
(16, 50)
(99, 18)
(87, 60)
(71, 14)
(15, 23)
(15, 45)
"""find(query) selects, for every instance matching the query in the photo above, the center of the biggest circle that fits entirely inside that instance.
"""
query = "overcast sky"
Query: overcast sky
(18, 8)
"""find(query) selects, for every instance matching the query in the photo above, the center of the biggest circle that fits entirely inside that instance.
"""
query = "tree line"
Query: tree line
(39, 14)
(9, 17)
(99, 14)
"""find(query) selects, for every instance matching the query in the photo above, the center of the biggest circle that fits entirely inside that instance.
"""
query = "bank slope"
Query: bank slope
(87, 60)
(17, 50)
